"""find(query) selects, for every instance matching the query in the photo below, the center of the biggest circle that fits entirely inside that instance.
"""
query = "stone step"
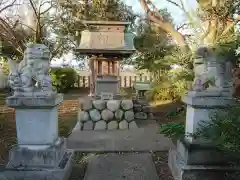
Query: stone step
(120, 140)
(130, 166)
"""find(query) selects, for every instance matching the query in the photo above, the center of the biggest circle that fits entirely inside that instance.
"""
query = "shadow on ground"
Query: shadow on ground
(167, 111)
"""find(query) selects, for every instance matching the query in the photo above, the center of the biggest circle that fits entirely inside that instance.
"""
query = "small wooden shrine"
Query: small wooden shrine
(106, 43)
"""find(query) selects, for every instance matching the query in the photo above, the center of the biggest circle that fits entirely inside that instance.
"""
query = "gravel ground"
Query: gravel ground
(160, 160)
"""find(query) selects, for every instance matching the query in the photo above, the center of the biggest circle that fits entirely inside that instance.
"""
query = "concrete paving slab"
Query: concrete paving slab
(145, 138)
(121, 167)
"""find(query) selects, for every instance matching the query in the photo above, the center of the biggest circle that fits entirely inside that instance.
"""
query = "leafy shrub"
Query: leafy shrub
(173, 130)
(223, 130)
(63, 78)
(172, 86)
(4, 65)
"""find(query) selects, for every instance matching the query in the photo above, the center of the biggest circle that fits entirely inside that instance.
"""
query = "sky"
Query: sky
(176, 13)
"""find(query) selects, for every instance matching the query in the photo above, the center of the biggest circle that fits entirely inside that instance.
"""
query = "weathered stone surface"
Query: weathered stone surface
(87, 105)
(129, 115)
(121, 140)
(141, 115)
(38, 165)
(176, 165)
(77, 127)
(147, 109)
(100, 125)
(95, 115)
(137, 107)
(83, 116)
(123, 124)
(107, 115)
(99, 104)
(112, 125)
(132, 125)
(119, 114)
(127, 104)
(113, 105)
(129, 166)
(88, 125)
(151, 116)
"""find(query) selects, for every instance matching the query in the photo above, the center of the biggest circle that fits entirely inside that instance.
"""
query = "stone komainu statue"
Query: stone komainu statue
(211, 70)
(30, 76)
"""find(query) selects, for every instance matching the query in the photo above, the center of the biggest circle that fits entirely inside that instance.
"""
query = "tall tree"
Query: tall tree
(215, 20)
(153, 45)
(74, 13)
(29, 24)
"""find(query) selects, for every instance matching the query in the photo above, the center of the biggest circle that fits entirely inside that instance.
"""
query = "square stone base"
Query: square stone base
(195, 162)
(48, 164)
(36, 120)
(199, 154)
(181, 171)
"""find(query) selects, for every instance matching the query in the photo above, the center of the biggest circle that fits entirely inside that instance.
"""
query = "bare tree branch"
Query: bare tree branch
(8, 6)
(181, 26)
(166, 26)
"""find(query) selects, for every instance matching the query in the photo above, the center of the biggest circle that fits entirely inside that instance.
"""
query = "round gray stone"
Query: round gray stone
(87, 105)
(137, 107)
(99, 104)
(141, 115)
(147, 109)
(150, 116)
(112, 125)
(95, 115)
(119, 114)
(123, 124)
(100, 125)
(129, 116)
(127, 104)
(88, 125)
(83, 116)
(107, 115)
(132, 125)
(113, 105)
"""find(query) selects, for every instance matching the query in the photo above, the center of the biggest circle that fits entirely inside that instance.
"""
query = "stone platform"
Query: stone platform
(121, 167)
(145, 138)
(183, 171)
(51, 164)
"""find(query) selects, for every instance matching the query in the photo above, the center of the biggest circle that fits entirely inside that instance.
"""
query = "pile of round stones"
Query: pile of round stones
(142, 111)
(107, 115)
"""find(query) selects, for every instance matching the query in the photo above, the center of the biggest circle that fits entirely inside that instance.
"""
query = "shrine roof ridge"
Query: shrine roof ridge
(106, 22)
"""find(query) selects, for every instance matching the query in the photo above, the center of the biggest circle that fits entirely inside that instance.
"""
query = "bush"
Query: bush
(173, 130)
(223, 130)
(172, 86)
(63, 79)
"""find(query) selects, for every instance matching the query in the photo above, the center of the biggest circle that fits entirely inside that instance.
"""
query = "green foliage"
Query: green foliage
(5, 65)
(171, 85)
(173, 130)
(153, 45)
(63, 78)
(94, 10)
(222, 130)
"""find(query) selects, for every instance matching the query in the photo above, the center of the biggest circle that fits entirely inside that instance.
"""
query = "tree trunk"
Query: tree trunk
(166, 26)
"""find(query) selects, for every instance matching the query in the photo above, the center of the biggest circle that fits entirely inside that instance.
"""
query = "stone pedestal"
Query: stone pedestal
(194, 159)
(36, 120)
(40, 153)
